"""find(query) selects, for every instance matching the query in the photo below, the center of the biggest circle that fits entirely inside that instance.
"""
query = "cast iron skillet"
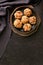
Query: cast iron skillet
(34, 27)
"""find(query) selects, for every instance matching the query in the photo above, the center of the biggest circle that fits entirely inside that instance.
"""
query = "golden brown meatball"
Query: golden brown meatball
(18, 14)
(27, 27)
(24, 19)
(27, 12)
(32, 20)
(17, 23)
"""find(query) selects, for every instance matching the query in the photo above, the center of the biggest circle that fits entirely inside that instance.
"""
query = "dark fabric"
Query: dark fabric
(4, 38)
(2, 1)
(17, 2)
(13, 2)
(2, 19)
(25, 50)
(5, 32)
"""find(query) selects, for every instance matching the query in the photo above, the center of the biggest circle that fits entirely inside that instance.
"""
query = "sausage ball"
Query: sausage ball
(27, 12)
(32, 20)
(24, 19)
(27, 27)
(17, 23)
(18, 14)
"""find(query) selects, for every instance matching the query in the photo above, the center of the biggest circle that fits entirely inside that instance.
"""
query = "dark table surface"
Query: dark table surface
(25, 50)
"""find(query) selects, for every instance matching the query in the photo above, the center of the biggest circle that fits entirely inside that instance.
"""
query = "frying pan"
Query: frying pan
(34, 27)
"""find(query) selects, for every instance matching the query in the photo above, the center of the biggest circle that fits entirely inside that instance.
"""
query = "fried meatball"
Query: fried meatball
(18, 14)
(27, 12)
(27, 27)
(17, 23)
(32, 20)
(24, 19)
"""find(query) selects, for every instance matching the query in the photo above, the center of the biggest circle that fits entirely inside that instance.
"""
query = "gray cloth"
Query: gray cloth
(4, 33)
(4, 38)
